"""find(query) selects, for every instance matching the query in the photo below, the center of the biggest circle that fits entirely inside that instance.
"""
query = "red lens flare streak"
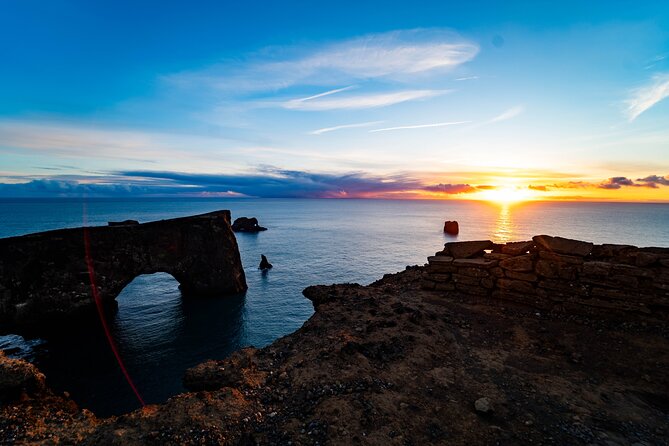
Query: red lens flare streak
(101, 313)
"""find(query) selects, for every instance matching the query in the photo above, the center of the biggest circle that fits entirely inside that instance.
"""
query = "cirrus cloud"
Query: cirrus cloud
(396, 55)
(643, 98)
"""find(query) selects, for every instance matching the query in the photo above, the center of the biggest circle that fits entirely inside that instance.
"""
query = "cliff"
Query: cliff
(45, 278)
(395, 364)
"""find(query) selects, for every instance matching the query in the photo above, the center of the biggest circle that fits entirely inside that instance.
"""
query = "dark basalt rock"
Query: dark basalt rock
(244, 224)
(264, 263)
(451, 227)
(44, 277)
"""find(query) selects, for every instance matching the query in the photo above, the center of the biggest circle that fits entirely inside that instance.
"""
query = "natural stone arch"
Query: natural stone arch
(44, 277)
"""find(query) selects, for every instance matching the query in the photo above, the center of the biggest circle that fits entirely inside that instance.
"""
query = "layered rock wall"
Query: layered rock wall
(550, 271)
(45, 277)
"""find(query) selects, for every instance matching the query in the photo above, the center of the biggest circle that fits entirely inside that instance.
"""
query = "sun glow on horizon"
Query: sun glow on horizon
(506, 194)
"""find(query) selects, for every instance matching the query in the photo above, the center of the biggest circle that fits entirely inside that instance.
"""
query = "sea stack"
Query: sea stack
(245, 224)
(451, 227)
(264, 263)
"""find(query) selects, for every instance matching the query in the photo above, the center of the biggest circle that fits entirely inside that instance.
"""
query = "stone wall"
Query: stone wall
(550, 271)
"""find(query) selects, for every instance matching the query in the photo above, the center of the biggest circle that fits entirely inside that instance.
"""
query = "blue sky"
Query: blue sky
(391, 99)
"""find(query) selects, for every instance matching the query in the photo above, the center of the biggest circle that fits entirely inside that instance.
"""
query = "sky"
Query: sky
(501, 101)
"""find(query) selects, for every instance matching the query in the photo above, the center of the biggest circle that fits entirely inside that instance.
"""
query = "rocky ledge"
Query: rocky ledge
(395, 364)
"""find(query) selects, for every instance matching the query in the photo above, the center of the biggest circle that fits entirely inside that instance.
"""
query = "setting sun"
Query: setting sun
(506, 194)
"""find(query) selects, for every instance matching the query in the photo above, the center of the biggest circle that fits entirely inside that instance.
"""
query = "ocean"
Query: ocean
(309, 242)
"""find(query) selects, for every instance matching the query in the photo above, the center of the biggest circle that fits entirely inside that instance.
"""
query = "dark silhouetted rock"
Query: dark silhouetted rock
(451, 227)
(464, 250)
(123, 223)
(244, 224)
(264, 263)
(562, 245)
(44, 277)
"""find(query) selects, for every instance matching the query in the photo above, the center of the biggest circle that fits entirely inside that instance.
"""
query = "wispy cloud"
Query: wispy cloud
(345, 126)
(271, 182)
(419, 126)
(509, 114)
(451, 189)
(651, 181)
(467, 78)
(82, 141)
(320, 95)
(654, 180)
(395, 54)
(361, 101)
(642, 99)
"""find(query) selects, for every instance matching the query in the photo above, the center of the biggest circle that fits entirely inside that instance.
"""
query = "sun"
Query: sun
(506, 194)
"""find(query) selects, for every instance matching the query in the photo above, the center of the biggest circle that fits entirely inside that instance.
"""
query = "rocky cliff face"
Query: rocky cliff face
(553, 272)
(45, 278)
(391, 364)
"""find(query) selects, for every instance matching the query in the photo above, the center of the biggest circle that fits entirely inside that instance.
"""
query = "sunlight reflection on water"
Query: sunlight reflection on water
(504, 227)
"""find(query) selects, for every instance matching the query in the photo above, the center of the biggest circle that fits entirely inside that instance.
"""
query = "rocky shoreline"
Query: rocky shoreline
(394, 363)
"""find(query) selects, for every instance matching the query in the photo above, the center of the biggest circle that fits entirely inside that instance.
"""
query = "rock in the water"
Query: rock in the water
(483, 405)
(464, 250)
(123, 223)
(264, 263)
(451, 227)
(562, 245)
(244, 224)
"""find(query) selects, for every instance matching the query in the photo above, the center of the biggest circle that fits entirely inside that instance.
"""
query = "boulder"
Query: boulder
(483, 405)
(517, 248)
(451, 227)
(562, 245)
(244, 224)
(465, 250)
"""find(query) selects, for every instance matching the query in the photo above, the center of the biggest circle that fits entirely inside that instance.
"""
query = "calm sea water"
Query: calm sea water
(159, 334)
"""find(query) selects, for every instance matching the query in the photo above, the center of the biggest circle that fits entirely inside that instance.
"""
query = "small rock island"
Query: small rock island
(245, 224)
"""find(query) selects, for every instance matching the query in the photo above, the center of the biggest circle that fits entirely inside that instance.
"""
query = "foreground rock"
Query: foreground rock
(31, 412)
(45, 278)
(392, 364)
(244, 224)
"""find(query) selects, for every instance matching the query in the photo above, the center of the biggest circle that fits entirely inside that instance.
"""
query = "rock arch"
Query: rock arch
(44, 277)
